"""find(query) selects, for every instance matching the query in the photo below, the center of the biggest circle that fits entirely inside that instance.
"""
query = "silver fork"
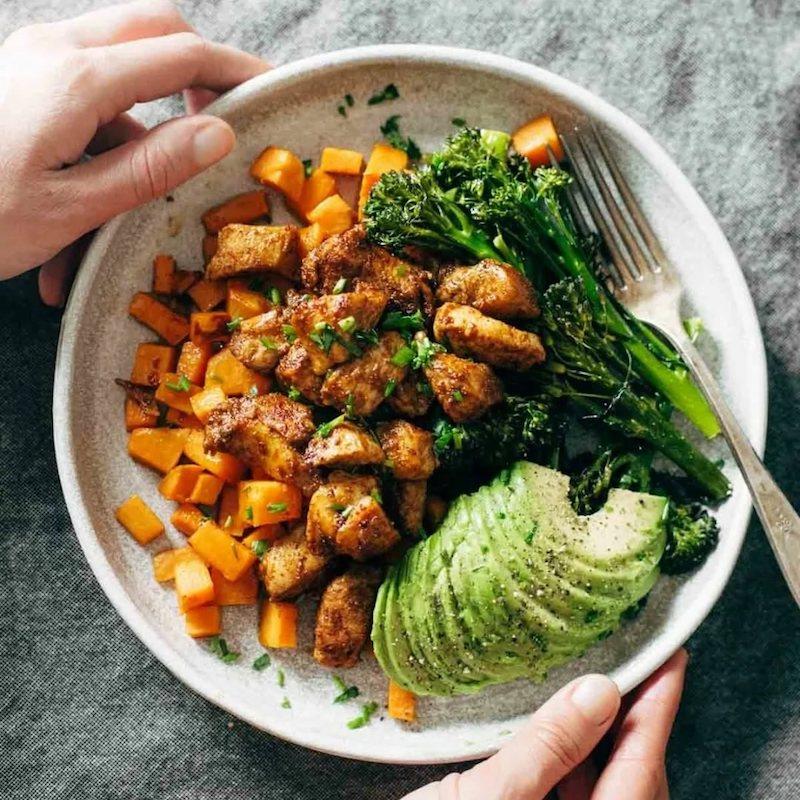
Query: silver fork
(643, 280)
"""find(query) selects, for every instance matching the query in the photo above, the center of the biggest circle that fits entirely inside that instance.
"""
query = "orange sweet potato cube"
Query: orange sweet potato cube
(139, 520)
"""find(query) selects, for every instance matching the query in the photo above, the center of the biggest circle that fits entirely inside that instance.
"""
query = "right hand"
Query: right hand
(65, 90)
(558, 748)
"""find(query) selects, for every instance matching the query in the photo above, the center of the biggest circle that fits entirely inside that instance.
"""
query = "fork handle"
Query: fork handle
(779, 520)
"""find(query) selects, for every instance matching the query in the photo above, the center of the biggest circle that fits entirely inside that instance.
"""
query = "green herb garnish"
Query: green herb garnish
(280, 677)
(389, 92)
(391, 132)
(286, 703)
(348, 324)
(342, 110)
(234, 324)
(262, 662)
(459, 122)
(259, 547)
(276, 508)
(274, 295)
(348, 98)
(457, 395)
(323, 336)
(367, 710)
(345, 692)
(391, 385)
(268, 343)
(324, 430)
(289, 332)
(181, 385)
(293, 394)
(339, 286)
(219, 647)
(403, 357)
(308, 166)
(248, 512)
(397, 321)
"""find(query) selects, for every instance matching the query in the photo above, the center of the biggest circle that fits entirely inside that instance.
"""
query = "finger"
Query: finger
(136, 72)
(141, 170)
(579, 783)
(636, 767)
(121, 129)
(119, 23)
(195, 100)
(558, 737)
(55, 275)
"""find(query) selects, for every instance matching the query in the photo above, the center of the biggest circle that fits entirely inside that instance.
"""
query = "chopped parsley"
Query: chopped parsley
(459, 122)
(345, 692)
(403, 357)
(348, 98)
(219, 647)
(259, 547)
(181, 385)
(367, 710)
(397, 321)
(457, 395)
(268, 343)
(389, 92)
(337, 507)
(234, 324)
(208, 512)
(391, 385)
(286, 703)
(293, 394)
(323, 336)
(248, 512)
(324, 430)
(391, 132)
(339, 286)
(376, 495)
(365, 338)
(276, 508)
(425, 351)
(262, 662)
(280, 677)
(308, 166)
(274, 295)
(348, 324)
(342, 110)
(289, 332)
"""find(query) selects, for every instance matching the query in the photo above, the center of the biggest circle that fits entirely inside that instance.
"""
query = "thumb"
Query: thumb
(557, 738)
(140, 170)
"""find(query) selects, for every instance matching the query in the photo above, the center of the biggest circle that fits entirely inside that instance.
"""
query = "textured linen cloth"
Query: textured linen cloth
(87, 712)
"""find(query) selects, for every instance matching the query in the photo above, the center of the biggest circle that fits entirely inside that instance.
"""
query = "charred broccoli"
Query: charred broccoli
(692, 533)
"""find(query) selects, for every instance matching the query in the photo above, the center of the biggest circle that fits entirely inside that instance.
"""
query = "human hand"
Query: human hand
(65, 88)
(558, 747)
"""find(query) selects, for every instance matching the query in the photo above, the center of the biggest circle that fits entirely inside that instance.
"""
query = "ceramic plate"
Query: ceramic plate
(296, 106)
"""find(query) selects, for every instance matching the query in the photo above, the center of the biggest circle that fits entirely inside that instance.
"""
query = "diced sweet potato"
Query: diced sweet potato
(226, 372)
(181, 419)
(163, 274)
(532, 139)
(310, 237)
(165, 561)
(268, 502)
(208, 294)
(224, 466)
(193, 584)
(245, 207)
(402, 703)
(333, 214)
(176, 393)
(343, 162)
(244, 303)
(316, 188)
(206, 327)
(187, 518)
(139, 520)
(385, 158)
(179, 482)
(203, 403)
(160, 318)
(241, 592)
(158, 448)
(280, 169)
(264, 533)
(151, 362)
(193, 361)
(203, 621)
(139, 415)
(277, 626)
(228, 513)
(206, 489)
(222, 551)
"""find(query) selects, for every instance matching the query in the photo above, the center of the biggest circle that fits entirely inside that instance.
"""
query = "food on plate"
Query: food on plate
(386, 407)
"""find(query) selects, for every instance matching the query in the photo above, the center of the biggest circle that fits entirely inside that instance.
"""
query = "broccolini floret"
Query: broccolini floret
(692, 533)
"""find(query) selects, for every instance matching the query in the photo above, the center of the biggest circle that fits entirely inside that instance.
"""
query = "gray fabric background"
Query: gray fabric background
(87, 712)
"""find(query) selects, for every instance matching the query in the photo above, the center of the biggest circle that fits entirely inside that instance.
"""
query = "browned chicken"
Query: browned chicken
(264, 433)
(347, 445)
(295, 371)
(409, 499)
(470, 333)
(492, 287)
(408, 450)
(465, 389)
(289, 568)
(243, 249)
(326, 325)
(362, 383)
(412, 397)
(348, 255)
(344, 617)
(329, 506)
(366, 532)
(260, 342)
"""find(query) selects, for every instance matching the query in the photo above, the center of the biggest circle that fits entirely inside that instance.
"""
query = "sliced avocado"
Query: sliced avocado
(514, 583)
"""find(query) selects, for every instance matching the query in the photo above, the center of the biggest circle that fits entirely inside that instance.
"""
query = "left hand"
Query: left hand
(65, 90)
(558, 748)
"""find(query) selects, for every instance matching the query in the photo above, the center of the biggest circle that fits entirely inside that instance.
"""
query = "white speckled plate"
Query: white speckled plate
(295, 105)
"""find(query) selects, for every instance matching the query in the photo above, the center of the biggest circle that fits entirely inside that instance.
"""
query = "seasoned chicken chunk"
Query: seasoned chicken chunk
(328, 505)
(264, 432)
(289, 568)
(409, 501)
(408, 286)
(295, 370)
(366, 532)
(470, 333)
(347, 445)
(341, 256)
(244, 249)
(364, 380)
(412, 397)
(494, 288)
(260, 342)
(344, 617)
(326, 325)
(408, 450)
(464, 389)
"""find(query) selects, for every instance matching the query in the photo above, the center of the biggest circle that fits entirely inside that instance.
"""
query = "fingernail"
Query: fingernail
(596, 697)
(212, 142)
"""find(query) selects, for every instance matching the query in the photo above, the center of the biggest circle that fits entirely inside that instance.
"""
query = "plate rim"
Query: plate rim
(649, 659)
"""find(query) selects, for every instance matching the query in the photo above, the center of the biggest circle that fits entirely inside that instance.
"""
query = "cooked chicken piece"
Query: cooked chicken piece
(330, 505)
(412, 397)
(244, 249)
(348, 255)
(409, 501)
(344, 617)
(347, 445)
(260, 342)
(295, 371)
(435, 511)
(263, 432)
(470, 333)
(464, 389)
(318, 323)
(364, 380)
(492, 287)
(408, 450)
(289, 568)
(341, 256)
(366, 532)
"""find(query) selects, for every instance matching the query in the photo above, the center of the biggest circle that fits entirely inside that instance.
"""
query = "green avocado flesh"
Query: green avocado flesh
(513, 583)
